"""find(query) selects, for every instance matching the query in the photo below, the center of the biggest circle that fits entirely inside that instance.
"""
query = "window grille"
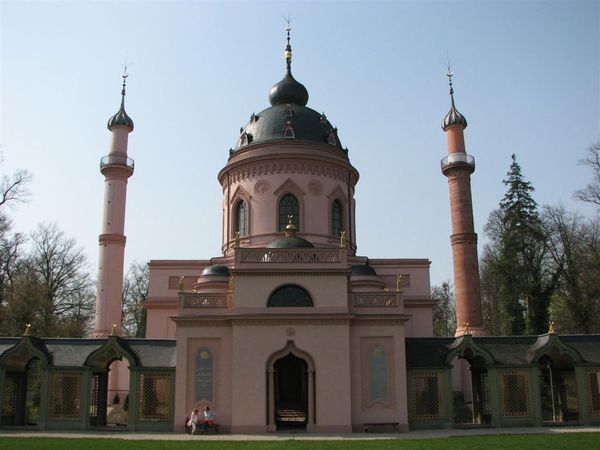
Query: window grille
(567, 387)
(10, 398)
(336, 218)
(65, 393)
(593, 389)
(515, 394)
(288, 205)
(33, 395)
(155, 397)
(426, 396)
(290, 296)
(242, 218)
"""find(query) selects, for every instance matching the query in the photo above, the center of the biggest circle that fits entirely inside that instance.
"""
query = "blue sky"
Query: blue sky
(526, 77)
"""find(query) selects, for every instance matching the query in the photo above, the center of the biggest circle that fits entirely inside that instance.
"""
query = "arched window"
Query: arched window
(241, 218)
(289, 296)
(336, 218)
(288, 205)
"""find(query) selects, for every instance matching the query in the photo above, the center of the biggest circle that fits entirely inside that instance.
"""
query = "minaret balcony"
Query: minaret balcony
(459, 160)
(119, 161)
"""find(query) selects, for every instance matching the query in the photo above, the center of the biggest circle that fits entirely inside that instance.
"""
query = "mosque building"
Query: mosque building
(290, 329)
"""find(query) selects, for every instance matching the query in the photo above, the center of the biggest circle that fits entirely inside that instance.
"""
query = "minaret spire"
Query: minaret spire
(453, 117)
(458, 167)
(121, 117)
(116, 167)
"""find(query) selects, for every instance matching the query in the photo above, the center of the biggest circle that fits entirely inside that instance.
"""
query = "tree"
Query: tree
(515, 275)
(575, 244)
(51, 287)
(591, 193)
(135, 294)
(13, 190)
(444, 312)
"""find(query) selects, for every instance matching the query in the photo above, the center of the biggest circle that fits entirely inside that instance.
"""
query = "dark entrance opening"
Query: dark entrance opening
(558, 390)
(98, 399)
(291, 393)
(21, 404)
(477, 412)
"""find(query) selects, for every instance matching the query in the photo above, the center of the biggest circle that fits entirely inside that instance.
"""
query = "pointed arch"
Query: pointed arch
(551, 346)
(337, 209)
(28, 348)
(240, 211)
(465, 347)
(290, 348)
(289, 201)
(114, 348)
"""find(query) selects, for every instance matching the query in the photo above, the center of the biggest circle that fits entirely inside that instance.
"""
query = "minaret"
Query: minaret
(116, 167)
(458, 167)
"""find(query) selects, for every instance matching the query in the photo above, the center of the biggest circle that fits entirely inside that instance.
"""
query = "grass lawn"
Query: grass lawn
(575, 441)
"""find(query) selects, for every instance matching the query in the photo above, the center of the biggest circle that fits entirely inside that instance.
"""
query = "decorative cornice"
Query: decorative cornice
(381, 320)
(320, 272)
(459, 238)
(112, 238)
(296, 165)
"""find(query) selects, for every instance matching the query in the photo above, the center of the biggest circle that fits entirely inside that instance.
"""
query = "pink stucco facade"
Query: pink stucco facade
(289, 328)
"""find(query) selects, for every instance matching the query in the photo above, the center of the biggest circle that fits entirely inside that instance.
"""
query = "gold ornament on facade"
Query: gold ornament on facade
(237, 239)
(343, 242)
(466, 330)
(290, 228)
(113, 331)
(399, 282)
(27, 329)
(551, 329)
(180, 284)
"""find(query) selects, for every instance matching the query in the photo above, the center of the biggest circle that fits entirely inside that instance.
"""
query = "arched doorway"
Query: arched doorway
(22, 395)
(291, 392)
(110, 365)
(291, 402)
(470, 383)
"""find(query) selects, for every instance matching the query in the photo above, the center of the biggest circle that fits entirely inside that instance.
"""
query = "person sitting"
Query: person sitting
(208, 419)
(192, 423)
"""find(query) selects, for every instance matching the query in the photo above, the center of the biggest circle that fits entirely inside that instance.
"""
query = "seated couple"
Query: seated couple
(204, 420)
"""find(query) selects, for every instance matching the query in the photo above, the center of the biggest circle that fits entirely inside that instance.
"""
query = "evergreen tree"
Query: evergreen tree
(515, 274)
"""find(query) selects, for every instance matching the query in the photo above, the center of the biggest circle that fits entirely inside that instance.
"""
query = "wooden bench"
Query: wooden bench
(381, 427)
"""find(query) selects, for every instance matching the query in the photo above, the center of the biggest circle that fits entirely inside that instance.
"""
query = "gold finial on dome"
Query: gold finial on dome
(290, 228)
(288, 48)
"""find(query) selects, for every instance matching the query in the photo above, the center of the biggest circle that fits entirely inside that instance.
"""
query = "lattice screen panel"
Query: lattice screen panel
(516, 398)
(11, 397)
(426, 395)
(593, 391)
(485, 395)
(155, 396)
(568, 392)
(65, 393)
